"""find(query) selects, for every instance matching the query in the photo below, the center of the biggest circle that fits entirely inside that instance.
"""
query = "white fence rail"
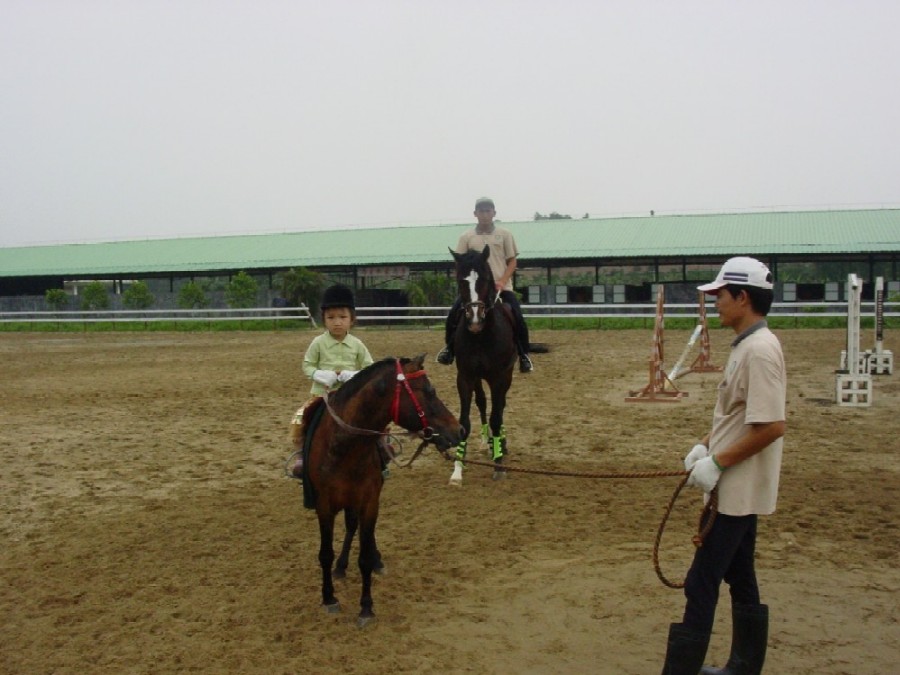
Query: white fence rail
(426, 315)
(624, 311)
(275, 314)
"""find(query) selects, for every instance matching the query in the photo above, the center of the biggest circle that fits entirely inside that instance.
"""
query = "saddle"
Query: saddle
(303, 425)
(300, 423)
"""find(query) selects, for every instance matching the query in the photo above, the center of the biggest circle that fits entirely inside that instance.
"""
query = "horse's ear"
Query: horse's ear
(419, 361)
(486, 253)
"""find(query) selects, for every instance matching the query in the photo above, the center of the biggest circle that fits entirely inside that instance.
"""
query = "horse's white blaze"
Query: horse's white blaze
(473, 294)
(456, 478)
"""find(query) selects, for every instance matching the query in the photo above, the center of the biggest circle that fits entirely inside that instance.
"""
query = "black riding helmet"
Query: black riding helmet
(337, 296)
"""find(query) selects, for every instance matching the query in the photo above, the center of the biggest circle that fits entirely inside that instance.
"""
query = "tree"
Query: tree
(138, 296)
(94, 296)
(300, 285)
(192, 296)
(57, 299)
(241, 291)
(431, 289)
(553, 216)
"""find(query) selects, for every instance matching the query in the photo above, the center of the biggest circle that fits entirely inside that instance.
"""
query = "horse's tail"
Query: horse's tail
(538, 347)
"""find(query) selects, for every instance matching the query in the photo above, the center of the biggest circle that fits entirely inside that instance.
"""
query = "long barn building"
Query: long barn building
(585, 260)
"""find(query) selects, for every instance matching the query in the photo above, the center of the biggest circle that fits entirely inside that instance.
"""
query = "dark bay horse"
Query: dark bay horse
(346, 456)
(485, 348)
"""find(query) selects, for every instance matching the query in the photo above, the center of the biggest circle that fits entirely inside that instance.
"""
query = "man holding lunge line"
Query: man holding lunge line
(741, 458)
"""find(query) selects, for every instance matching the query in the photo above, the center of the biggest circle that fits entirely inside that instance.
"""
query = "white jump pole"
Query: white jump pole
(702, 363)
(853, 383)
(676, 369)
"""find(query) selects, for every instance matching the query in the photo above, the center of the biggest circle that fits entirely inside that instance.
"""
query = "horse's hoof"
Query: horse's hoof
(364, 621)
(333, 609)
(455, 482)
(499, 474)
(380, 571)
(339, 574)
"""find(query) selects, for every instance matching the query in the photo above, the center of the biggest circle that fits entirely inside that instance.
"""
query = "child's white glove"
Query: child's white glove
(705, 474)
(326, 377)
(346, 375)
(699, 451)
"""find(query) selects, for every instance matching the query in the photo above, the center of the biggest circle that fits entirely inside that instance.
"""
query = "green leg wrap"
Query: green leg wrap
(498, 447)
(461, 451)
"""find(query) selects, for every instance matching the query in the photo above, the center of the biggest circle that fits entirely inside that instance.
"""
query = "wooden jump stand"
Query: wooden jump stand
(660, 389)
(702, 363)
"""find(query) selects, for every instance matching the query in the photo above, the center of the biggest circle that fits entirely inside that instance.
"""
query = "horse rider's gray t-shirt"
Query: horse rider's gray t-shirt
(502, 245)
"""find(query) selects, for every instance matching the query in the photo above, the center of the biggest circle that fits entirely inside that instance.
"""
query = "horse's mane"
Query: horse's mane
(473, 260)
(359, 380)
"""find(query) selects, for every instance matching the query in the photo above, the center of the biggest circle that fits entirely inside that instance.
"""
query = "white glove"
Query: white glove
(699, 451)
(346, 375)
(326, 377)
(705, 474)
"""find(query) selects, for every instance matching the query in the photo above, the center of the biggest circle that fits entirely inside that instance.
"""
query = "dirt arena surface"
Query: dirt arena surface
(148, 527)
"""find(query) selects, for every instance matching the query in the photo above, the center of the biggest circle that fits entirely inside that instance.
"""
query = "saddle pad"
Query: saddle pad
(312, 415)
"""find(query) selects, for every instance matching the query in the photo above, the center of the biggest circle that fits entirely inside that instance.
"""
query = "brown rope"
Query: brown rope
(570, 474)
(707, 515)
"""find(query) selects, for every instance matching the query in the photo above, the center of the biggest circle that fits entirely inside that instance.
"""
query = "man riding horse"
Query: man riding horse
(502, 260)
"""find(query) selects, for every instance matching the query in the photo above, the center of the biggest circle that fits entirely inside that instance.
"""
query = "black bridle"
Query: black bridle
(479, 307)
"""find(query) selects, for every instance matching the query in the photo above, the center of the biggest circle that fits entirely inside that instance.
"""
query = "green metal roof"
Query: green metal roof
(806, 233)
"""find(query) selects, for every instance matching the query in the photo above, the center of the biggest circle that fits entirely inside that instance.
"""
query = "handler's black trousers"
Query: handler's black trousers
(521, 329)
(727, 554)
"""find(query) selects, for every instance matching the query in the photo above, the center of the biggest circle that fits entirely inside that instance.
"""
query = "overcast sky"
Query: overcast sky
(133, 119)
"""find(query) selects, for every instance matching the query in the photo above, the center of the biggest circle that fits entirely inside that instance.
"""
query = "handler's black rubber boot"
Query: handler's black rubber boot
(685, 651)
(445, 356)
(749, 637)
(525, 364)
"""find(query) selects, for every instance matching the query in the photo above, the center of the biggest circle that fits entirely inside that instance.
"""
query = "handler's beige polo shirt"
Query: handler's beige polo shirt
(502, 245)
(753, 390)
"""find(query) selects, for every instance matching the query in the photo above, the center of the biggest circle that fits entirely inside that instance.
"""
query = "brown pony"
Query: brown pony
(346, 455)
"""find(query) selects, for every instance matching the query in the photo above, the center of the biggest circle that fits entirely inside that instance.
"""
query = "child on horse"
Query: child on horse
(503, 264)
(334, 356)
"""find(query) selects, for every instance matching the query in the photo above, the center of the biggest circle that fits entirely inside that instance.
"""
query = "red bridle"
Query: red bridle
(403, 380)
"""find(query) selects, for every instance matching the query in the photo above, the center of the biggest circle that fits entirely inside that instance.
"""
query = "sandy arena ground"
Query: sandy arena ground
(148, 527)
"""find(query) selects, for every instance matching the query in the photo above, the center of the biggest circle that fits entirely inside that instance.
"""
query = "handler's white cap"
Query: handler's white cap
(742, 271)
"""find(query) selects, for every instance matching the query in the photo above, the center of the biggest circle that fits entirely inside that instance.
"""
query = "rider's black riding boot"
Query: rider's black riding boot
(525, 364)
(749, 637)
(445, 356)
(685, 651)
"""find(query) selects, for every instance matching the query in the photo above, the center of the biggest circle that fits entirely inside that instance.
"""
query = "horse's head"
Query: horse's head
(475, 283)
(417, 407)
